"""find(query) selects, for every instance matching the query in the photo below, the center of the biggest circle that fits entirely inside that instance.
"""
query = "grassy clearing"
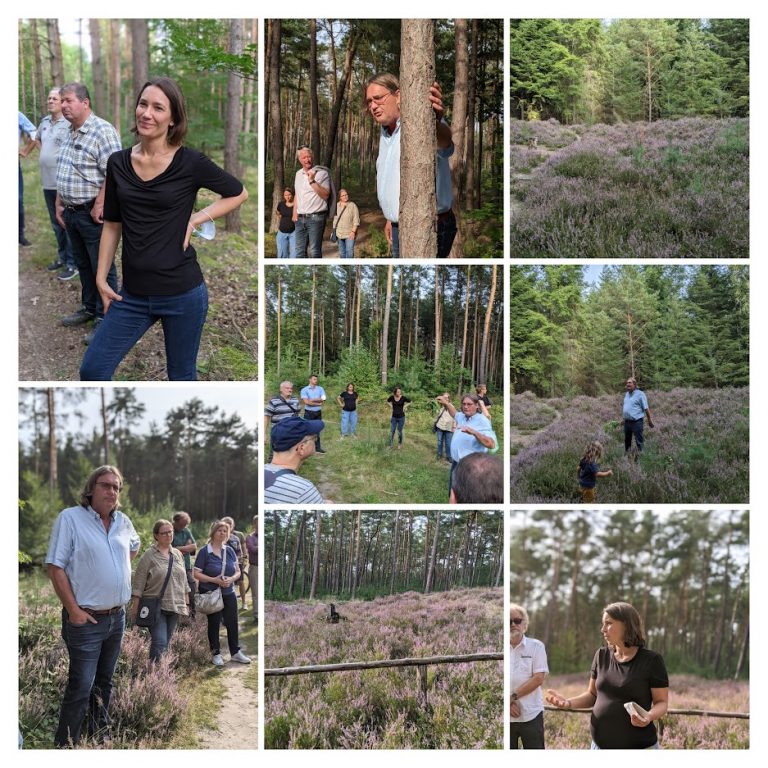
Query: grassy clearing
(367, 471)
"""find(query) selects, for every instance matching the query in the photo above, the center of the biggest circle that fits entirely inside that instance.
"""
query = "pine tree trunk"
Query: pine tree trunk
(470, 153)
(481, 375)
(418, 205)
(115, 72)
(234, 118)
(314, 114)
(53, 463)
(140, 53)
(385, 329)
(316, 556)
(458, 124)
(275, 120)
(433, 556)
(54, 53)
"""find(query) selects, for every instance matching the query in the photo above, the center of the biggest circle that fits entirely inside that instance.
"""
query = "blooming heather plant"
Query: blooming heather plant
(571, 730)
(698, 452)
(669, 189)
(379, 708)
(146, 705)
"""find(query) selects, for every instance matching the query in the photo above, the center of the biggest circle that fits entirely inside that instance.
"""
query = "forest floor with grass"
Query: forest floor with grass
(184, 702)
(50, 352)
(698, 451)
(380, 708)
(365, 470)
(571, 730)
(668, 189)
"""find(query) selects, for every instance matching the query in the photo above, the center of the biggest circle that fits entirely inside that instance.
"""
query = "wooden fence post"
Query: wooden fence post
(422, 671)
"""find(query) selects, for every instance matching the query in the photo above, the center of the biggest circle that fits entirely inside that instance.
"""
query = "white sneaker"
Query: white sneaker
(241, 657)
(217, 660)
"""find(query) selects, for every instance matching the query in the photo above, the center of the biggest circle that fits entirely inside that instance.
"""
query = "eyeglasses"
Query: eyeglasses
(109, 487)
(377, 99)
(516, 621)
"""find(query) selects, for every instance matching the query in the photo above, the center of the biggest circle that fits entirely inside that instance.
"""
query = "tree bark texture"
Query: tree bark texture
(418, 203)
(233, 119)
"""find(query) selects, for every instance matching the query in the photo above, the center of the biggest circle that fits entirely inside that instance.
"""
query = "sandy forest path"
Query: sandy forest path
(238, 716)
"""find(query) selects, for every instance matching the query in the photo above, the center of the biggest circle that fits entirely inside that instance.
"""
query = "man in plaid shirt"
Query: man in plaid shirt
(80, 181)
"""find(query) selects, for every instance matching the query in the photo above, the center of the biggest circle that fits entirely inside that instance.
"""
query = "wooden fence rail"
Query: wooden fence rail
(421, 665)
(694, 712)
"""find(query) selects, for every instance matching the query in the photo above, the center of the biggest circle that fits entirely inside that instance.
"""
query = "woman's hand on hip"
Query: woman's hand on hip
(190, 230)
(107, 295)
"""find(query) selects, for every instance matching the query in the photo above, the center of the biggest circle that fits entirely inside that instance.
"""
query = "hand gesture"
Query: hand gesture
(555, 699)
(107, 295)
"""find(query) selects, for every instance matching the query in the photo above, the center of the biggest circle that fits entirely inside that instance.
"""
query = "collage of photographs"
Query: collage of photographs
(473, 474)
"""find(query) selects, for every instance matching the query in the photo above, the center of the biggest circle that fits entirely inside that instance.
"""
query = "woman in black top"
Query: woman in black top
(348, 400)
(623, 673)
(286, 230)
(398, 402)
(149, 203)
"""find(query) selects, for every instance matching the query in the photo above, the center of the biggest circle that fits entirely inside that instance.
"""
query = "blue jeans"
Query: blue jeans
(396, 423)
(346, 248)
(84, 235)
(309, 234)
(446, 233)
(228, 615)
(161, 634)
(444, 441)
(62, 239)
(182, 316)
(633, 428)
(348, 422)
(286, 245)
(93, 653)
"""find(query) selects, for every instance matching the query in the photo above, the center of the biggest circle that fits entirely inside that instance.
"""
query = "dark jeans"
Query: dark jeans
(309, 235)
(229, 616)
(161, 634)
(21, 204)
(396, 423)
(313, 416)
(446, 233)
(531, 734)
(182, 317)
(444, 441)
(633, 428)
(62, 240)
(93, 652)
(192, 581)
(84, 235)
(454, 464)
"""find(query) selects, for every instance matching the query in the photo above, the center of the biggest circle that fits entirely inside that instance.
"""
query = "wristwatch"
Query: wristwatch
(514, 696)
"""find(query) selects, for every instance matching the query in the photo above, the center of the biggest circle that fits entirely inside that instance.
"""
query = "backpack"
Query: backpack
(332, 197)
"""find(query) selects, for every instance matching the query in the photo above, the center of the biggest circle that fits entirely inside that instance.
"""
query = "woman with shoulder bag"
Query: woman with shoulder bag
(216, 568)
(160, 589)
(345, 225)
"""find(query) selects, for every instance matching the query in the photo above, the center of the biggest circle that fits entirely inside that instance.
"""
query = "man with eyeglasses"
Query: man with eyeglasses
(528, 668)
(81, 174)
(293, 442)
(312, 187)
(382, 100)
(89, 563)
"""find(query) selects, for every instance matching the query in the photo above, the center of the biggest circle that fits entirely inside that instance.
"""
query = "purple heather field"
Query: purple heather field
(667, 189)
(379, 709)
(697, 453)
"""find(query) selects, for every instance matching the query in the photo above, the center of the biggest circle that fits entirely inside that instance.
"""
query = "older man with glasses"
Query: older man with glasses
(89, 562)
(528, 668)
(310, 206)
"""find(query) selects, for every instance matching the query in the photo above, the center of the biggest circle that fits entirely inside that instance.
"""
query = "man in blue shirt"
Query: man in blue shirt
(313, 397)
(382, 99)
(25, 127)
(89, 562)
(634, 411)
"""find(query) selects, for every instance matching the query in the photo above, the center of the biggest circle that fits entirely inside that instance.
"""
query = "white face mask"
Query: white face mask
(207, 230)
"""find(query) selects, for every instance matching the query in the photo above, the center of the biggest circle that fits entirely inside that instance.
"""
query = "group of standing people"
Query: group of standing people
(143, 196)
(89, 559)
(305, 209)
(628, 689)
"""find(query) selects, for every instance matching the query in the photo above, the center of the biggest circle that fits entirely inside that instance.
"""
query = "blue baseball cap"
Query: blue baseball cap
(291, 431)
